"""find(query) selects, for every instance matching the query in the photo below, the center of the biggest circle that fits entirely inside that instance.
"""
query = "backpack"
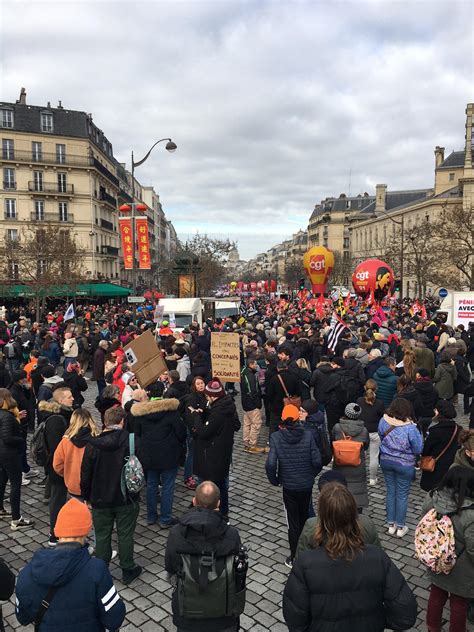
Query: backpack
(39, 449)
(133, 476)
(435, 543)
(349, 389)
(9, 350)
(347, 451)
(208, 586)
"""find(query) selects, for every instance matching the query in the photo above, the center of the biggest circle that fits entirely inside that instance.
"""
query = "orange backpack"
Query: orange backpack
(347, 451)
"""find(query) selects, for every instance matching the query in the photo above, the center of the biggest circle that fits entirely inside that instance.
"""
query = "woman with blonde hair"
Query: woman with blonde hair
(68, 455)
(341, 583)
(372, 410)
(11, 446)
(305, 378)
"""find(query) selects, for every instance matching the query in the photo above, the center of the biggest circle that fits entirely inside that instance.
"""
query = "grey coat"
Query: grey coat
(460, 580)
(444, 378)
(356, 477)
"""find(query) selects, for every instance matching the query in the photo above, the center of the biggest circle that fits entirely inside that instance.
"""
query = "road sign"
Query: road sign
(442, 292)
(136, 299)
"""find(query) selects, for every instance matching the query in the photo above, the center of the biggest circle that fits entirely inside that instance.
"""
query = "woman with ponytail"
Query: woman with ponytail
(11, 445)
(372, 412)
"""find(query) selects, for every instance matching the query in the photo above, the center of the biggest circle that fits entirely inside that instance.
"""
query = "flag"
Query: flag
(69, 315)
(336, 328)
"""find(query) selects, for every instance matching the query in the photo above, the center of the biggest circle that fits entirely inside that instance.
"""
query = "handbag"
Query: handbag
(289, 399)
(428, 463)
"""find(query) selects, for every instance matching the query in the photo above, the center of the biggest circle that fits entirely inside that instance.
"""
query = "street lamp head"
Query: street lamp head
(171, 146)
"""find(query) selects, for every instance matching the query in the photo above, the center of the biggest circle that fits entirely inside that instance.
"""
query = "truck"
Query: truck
(181, 312)
(457, 309)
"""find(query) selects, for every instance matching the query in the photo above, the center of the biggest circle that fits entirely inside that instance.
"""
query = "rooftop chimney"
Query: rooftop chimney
(49, 104)
(60, 105)
(468, 149)
(439, 156)
(22, 99)
(380, 197)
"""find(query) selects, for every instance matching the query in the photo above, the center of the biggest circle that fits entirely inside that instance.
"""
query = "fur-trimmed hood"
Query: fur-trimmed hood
(140, 409)
(51, 406)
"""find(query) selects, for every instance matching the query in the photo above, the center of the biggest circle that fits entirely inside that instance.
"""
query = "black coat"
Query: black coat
(25, 399)
(57, 420)
(371, 413)
(77, 384)
(200, 530)
(98, 364)
(197, 401)
(214, 441)
(11, 438)
(324, 380)
(412, 396)
(161, 433)
(429, 397)
(437, 439)
(250, 392)
(274, 390)
(101, 470)
(464, 377)
(177, 390)
(368, 594)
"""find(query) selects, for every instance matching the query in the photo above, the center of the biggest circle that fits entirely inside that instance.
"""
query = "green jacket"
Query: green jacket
(460, 580)
(367, 527)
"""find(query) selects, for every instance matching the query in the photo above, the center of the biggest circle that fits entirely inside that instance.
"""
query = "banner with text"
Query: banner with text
(144, 261)
(225, 356)
(127, 242)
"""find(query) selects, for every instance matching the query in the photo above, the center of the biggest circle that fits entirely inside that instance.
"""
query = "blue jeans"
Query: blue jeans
(101, 384)
(168, 478)
(398, 480)
(188, 464)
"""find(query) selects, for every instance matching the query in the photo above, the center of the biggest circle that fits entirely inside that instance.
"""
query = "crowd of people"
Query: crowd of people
(381, 401)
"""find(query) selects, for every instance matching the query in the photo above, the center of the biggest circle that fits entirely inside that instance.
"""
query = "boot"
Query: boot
(128, 575)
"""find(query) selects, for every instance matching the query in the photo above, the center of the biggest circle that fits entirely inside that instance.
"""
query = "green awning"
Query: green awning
(83, 289)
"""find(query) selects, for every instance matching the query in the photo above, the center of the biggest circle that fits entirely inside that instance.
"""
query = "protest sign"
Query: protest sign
(145, 359)
(225, 356)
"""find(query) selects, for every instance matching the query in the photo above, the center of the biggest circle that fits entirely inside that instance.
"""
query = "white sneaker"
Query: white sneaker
(114, 555)
(401, 531)
(373, 482)
(25, 480)
(31, 474)
(392, 529)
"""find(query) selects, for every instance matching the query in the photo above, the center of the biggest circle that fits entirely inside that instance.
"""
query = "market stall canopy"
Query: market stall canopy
(83, 289)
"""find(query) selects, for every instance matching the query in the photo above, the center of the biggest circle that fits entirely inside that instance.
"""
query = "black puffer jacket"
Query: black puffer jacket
(275, 392)
(214, 441)
(57, 421)
(101, 469)
(25, 399)
(438, 437)
(160, 431)
(428, 395)
(368, 594)
(200, 530)
(324, 380)
(77, 384)
(11, 438)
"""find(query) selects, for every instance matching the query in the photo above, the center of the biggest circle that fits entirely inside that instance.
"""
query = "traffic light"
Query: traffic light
(301, 284)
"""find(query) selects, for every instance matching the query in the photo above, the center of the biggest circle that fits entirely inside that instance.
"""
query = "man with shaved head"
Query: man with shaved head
(201, 543)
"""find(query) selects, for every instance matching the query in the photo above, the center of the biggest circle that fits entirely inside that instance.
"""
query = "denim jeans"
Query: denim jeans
(398, 480)
(374, 449)
(188, 464)
(101, 384)
(168, 478)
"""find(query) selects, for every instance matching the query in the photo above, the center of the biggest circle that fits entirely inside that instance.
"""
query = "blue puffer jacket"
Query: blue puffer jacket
(294, 459)
(315, 423)
(86, 598)
(386, 384)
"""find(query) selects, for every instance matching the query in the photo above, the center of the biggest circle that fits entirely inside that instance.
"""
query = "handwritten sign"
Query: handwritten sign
(225, 356)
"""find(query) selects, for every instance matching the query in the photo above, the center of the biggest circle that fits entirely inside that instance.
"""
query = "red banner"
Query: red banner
(144, 261)
(127, 242)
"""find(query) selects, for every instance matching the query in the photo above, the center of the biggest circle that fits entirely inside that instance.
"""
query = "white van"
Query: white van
(182, 310)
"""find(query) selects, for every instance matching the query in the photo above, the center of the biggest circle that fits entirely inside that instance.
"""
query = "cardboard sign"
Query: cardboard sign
(158, 315)
(145, 358)
(225, 356)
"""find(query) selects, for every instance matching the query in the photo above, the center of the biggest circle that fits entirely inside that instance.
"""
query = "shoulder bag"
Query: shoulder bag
(289, 399)
(428, 463)
(46, 602)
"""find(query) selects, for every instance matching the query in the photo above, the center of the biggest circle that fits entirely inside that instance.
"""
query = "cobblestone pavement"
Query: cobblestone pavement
(256, 510)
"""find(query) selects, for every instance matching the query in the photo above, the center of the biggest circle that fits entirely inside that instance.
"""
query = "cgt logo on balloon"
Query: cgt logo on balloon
(317, 263)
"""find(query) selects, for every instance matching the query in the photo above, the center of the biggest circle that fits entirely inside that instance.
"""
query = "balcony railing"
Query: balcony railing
(125, 196)
(52, 217)
(47, 158)
(100, 167)
(110, 250)
(50, 187)
(106, 224)
(8, 185)
(105, 197)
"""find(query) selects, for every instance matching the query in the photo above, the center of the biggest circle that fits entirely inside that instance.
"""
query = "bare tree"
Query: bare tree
(343, 268)
(213, 255)
(45, 260)
(294, 271)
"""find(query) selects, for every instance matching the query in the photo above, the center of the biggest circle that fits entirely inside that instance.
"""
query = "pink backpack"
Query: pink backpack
(435, 543)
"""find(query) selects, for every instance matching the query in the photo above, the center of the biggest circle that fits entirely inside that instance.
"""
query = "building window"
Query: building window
(346, 242)
(62, 183)
(63, 212)
(61, 154)
(6, 118)
(451, 177)
(36, 151)
(41, 266)
(10, 208)
(39, 210)
(9, 178)
(38, 180)
(12, 234)
(46, 122)
(8, 149)
(14, 270)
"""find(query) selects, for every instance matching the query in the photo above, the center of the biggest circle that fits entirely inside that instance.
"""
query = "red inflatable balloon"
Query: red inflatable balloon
(373, 275)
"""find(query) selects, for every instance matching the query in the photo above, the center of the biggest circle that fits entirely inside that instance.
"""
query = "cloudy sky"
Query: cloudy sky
(274, 105)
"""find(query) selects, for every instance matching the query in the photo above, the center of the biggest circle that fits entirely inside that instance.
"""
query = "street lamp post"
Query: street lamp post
(171, 147)
(400, 223)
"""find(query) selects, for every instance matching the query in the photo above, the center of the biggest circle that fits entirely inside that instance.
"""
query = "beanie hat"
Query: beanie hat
(290, 413)
(214, 388)
(352, 411)
(423, 372)
(127, 376)
(331, 476)
(310, 406)
(338, 360)
(445, 409)
(74, 520)
(375, 353)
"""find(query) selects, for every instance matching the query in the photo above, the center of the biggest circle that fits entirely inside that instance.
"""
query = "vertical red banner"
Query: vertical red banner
(127, 242)
(144, 261)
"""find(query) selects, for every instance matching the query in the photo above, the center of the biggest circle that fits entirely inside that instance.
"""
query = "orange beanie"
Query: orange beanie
(290, 413)
(74, 520)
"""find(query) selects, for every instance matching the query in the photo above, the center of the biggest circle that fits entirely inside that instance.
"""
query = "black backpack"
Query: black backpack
(39, 448)
(349, 389)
